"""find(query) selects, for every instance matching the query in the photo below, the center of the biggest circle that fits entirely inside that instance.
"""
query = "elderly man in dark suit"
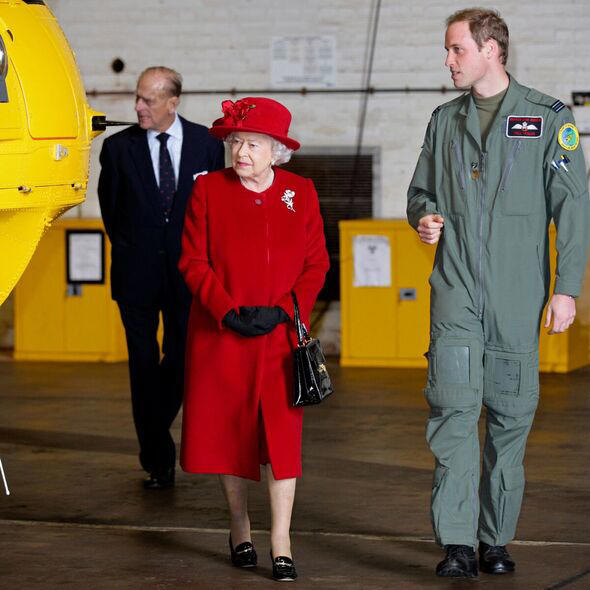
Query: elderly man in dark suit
(148, 171)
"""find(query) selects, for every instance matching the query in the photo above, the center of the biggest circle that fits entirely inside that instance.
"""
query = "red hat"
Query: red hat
(256, 115)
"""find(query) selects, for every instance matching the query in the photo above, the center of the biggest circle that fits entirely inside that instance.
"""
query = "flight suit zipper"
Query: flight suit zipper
(481, 187)
(459, 163)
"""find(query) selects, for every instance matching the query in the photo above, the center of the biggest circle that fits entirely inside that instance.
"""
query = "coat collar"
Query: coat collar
(277, 183)
(191, 144)
(140, 154)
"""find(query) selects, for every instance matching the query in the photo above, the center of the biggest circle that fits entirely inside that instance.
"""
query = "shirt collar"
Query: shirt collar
(175, 130)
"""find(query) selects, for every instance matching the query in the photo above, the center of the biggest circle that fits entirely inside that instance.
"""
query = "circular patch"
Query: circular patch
(568, 137)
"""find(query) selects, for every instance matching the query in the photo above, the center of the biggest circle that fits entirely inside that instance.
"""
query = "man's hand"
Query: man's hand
(562, 310)
(430, 228)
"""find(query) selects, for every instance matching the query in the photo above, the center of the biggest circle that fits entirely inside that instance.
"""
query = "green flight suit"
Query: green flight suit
(489, 285)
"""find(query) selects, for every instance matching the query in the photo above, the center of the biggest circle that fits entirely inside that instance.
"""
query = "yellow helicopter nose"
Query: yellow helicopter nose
(46, 128)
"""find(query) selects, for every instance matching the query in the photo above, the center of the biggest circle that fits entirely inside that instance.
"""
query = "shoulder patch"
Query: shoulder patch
(557, 106)
(568, 136)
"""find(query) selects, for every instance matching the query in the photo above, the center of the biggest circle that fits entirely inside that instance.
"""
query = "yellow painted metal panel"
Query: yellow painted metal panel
(413, 261)
(12, 115)
(367, 312)
(45, 133)
(49, 324)
(39, 60)
(38, 304)
(561, 353)
(367, 333)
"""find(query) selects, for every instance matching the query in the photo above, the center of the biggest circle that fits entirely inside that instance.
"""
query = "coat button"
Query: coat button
(258, 201)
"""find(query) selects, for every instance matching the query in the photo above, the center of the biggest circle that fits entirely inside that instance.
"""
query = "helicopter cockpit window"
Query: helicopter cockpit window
(34, 2)
(3, 71)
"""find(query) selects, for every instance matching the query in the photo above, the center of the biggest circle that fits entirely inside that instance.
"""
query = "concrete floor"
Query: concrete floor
(77, 516)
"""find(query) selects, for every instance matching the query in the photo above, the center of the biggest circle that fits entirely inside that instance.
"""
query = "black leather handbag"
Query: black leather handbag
(312, 382)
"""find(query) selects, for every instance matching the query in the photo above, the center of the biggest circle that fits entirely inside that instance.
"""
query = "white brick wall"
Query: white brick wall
(225, 44)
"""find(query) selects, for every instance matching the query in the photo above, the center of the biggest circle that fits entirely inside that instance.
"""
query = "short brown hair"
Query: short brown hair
(173, 78)
(484, 24)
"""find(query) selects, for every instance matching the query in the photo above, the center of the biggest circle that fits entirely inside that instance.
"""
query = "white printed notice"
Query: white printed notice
(304, 61)
(85, 256)
(372, 261)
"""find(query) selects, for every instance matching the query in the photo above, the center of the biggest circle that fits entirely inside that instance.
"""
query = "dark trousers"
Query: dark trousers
(156, 381)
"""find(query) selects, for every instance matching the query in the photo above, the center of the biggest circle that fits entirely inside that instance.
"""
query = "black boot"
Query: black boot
(494, 559)
(460, 562)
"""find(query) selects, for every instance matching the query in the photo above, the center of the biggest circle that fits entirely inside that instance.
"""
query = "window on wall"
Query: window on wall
(345, 187)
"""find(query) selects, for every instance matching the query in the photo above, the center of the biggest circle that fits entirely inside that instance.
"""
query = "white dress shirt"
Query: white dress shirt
(174, 145)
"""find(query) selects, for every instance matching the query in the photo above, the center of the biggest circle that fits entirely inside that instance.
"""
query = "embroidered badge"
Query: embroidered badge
(568, 137)
(524, 127)
(287, 198)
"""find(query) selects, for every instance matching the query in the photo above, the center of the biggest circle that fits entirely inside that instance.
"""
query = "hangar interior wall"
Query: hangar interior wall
(225, 44)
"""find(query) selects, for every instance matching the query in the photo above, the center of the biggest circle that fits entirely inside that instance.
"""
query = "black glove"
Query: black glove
(255, 321)
(233, 321)
(263, 318)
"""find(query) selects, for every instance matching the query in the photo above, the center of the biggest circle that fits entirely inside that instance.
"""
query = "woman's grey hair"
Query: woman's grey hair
(281, 154)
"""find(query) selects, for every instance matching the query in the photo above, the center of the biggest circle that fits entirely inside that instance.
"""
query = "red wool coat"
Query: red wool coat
(245, 248)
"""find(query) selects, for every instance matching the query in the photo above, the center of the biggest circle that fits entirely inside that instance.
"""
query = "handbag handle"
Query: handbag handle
(302, 334)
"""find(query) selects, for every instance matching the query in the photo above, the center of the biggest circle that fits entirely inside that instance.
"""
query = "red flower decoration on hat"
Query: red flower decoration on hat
(236, 112)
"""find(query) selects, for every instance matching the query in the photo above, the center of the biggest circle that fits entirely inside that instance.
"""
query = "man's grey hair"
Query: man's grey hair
(281, 154)
(173, 78)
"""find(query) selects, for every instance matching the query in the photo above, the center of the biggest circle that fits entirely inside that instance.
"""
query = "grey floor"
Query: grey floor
(77, 516)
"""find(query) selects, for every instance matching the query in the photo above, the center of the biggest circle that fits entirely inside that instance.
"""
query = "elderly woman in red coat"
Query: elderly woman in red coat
(253, 234)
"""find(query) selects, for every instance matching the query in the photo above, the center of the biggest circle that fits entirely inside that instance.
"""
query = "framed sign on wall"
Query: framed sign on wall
(85, 256)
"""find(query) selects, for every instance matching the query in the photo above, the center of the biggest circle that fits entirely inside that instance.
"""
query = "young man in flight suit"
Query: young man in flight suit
(498, 163)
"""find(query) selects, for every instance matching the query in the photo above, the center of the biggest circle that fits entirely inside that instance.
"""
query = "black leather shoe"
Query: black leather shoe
(494, 559)
(160, 481)
(283, 569)
(460, 562)
(244, 555)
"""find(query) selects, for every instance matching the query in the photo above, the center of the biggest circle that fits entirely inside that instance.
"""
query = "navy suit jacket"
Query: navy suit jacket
(146, 247)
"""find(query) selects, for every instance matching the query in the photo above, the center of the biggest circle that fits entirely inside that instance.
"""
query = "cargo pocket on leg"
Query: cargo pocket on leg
(511, 382)
(511, 491)
(453, 372)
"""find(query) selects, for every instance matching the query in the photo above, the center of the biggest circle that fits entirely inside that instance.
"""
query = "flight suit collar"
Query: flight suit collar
(469, 110)
(513, 96)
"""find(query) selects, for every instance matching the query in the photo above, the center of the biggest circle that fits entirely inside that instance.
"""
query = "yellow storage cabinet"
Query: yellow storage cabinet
(385, 326)
(51, 324)
(388, 326)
